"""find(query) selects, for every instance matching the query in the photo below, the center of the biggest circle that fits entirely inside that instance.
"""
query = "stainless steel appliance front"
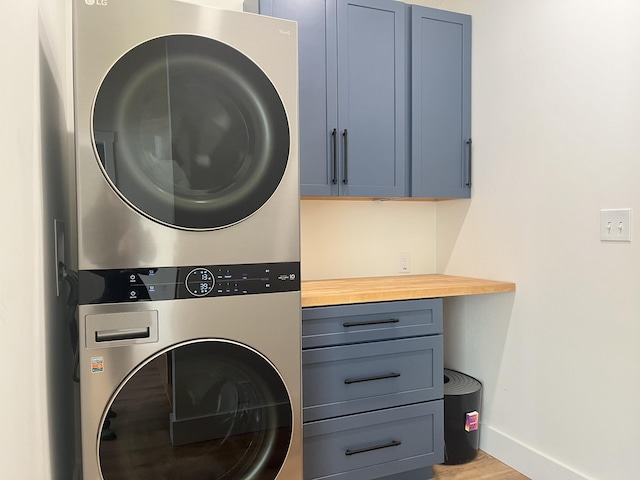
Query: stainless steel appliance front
(192, 389)
(188, 230)
(186, 135)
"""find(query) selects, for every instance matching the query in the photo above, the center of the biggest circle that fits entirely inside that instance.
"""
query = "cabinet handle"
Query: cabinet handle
(345, 179)
(469, 154)
(334, 171)
(349, 381)
(371, 322)
(394, 443)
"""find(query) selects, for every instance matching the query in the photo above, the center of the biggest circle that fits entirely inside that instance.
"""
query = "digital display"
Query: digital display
(199, 282)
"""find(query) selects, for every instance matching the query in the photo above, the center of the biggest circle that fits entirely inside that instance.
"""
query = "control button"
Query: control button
(199, 282)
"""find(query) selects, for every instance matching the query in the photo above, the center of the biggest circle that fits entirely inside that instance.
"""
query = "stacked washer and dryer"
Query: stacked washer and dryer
(188, 242)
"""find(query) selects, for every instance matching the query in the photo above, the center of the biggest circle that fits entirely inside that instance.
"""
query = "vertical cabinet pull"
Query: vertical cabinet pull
(469, 157)
(345, 178)
(394, 443)
(334, 171)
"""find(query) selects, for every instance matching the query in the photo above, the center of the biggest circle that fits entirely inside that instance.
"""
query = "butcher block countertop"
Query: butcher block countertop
(317, 293)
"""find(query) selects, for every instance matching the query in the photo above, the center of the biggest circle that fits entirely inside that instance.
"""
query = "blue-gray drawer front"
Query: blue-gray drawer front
(368, 376)
(336, 325)
(375, 444)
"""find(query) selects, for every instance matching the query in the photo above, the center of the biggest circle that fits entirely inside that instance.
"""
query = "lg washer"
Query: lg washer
(186, 144)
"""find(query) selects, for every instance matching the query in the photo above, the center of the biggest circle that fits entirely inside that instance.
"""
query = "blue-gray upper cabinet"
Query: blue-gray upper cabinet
(352, 59)
(441, 103)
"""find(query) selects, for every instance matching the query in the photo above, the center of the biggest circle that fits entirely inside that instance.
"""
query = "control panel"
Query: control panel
(170, 283)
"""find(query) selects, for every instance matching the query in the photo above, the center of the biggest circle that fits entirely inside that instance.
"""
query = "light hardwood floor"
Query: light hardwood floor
(483, 467)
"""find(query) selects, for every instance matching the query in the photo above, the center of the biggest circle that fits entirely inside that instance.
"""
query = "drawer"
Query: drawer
(375, 444)
(368, 376)
(336, 325)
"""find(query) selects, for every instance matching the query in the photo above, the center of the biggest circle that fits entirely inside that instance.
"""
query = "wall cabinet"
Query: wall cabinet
(373, 390)
(352, 68)
(385, 98)
(441, 103)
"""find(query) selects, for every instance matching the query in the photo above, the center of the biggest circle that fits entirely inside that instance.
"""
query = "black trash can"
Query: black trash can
(462, 395)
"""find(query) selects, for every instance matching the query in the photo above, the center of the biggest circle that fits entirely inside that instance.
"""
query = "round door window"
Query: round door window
(205, 410)
(191, 132)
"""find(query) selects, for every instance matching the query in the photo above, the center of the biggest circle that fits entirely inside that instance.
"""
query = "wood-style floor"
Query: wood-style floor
(483, 467)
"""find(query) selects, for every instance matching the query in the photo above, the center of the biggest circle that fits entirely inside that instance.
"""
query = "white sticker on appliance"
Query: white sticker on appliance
(97, 364)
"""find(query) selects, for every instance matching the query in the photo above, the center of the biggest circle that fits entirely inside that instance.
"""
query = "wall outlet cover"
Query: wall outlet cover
(404, 262)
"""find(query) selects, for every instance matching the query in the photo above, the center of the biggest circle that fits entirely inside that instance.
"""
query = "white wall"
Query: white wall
(556, 109)
(24, 440)
(23, 392)
(35, 359)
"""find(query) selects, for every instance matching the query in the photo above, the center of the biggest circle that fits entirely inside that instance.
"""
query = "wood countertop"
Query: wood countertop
(378, 289)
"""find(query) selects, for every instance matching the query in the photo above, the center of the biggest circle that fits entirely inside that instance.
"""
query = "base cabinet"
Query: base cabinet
(373, 390)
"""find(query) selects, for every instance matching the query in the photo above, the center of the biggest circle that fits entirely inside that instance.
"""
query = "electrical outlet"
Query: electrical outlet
(615, 225)
(404, 262)
(58, 251)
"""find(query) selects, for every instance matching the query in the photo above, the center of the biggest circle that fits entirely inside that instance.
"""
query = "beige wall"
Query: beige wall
(350, 238)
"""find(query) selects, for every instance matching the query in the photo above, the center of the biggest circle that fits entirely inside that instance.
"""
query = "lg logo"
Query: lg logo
(101, 3)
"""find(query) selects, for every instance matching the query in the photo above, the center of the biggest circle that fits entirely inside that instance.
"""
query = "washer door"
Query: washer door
(190, 132)
(204, 410)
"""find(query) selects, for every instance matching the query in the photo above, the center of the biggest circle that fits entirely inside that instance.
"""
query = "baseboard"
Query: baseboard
(524, 459)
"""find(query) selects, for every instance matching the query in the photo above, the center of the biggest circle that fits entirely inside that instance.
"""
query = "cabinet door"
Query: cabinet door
(318, 89)
(441, 103)
(371, 97)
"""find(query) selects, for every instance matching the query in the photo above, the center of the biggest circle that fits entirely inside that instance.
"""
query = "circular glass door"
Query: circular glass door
(204, 410)
(190, 132)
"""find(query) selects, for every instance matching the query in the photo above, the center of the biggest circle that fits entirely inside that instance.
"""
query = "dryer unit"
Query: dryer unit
(188, 242)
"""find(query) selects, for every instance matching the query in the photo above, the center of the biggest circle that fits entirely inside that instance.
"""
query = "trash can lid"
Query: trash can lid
(457, 383)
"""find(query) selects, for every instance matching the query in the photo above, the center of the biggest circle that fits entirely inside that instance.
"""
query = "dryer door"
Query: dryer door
(202, 410)
(190, 132)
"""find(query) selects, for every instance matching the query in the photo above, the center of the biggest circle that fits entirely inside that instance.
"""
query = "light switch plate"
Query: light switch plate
(615, 225)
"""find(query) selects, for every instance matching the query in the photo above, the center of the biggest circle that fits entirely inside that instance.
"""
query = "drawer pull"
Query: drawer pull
(394, 443)
(122, 334)
(372, 322)
(349, 381)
